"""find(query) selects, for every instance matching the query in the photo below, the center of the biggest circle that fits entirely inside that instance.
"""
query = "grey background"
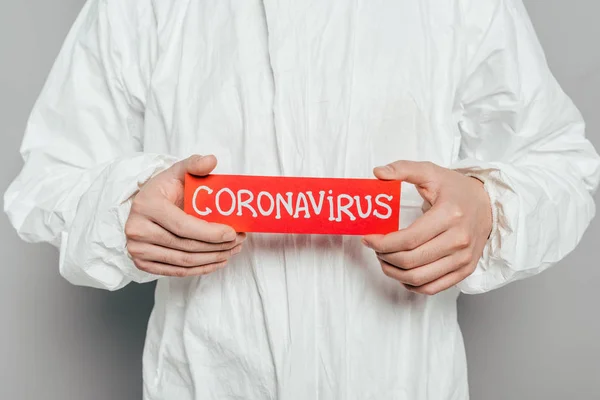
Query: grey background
(536, 339)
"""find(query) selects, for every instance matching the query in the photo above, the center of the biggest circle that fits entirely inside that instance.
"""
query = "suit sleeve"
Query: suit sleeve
(83, 155)
(523, 137)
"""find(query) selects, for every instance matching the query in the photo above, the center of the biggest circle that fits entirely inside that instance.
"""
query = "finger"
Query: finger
(440, 246)
(443, 283)
(176, 221)
(155, 268)
(195, 165)
(201, 166)
(422, 275)
(415, 172)
(150, 252)
(150, 232)
(422, 230)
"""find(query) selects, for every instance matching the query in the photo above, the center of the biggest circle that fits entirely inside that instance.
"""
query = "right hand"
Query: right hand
(163, 240)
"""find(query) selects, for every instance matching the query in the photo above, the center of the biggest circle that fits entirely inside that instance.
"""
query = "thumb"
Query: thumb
(200, 165)
(195, 165)
(415, 172)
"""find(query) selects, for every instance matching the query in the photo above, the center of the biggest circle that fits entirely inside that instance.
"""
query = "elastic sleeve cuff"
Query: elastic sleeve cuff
(93, 252)
(492, 270)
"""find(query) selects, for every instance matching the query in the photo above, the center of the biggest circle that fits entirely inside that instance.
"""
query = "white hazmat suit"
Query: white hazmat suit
(329, 88)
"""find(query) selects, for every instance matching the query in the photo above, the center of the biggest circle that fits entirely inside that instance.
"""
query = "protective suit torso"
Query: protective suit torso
(326, 89)
(296, 88)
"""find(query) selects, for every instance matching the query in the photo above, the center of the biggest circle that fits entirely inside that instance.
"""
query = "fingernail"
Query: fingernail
(229, 236)
(236, 250)
(364, 242)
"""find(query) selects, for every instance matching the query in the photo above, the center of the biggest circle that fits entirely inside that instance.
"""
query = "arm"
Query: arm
(84, 168)
(82, 154)
(525, 139)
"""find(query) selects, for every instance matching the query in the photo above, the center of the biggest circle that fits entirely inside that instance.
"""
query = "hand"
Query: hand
(163, 240)
(443, 246)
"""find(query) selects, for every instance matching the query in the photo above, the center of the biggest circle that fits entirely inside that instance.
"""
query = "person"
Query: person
(454, 99)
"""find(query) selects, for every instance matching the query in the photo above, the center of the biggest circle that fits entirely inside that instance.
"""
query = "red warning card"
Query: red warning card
(295, 205)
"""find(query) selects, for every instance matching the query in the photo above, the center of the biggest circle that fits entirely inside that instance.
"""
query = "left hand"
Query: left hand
(444, 245)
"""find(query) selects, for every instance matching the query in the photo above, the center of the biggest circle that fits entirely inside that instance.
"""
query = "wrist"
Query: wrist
(489, 219)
